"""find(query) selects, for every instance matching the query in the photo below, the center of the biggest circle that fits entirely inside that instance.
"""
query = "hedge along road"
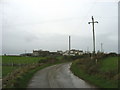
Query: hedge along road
(57, 76)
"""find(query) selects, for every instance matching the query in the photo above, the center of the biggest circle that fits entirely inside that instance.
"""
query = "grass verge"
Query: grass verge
(96, 78)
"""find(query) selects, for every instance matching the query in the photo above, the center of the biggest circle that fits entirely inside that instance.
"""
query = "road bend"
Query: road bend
(57, 76)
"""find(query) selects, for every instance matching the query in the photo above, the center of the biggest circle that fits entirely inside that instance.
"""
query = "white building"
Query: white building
(73, 52)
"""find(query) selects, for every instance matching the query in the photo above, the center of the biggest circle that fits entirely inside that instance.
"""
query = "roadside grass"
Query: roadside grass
(23, 81)
(101, 75)
(0, 66)
(7, 70)
(0, 71)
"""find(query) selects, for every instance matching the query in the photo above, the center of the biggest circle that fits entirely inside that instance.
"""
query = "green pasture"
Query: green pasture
(20, 60)
(17, 60)
(7, 70)
(108, 64)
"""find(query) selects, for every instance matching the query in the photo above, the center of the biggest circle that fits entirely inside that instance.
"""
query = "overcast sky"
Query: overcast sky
(46, 25)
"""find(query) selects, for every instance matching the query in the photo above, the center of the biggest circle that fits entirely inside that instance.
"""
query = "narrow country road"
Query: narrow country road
(57, 76)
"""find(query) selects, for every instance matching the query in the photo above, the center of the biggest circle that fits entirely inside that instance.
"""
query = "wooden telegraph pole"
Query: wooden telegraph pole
(101, 47)
(93, 34)
(69, 45)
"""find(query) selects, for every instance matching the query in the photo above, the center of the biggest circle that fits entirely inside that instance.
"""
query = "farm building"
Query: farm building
(73, 52)
(40, 53)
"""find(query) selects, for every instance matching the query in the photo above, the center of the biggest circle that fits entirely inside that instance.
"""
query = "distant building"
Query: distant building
(40, 53)
(60, 52)
(112, 54)
(76, 52)
(45, 53)
(73, 52)
(26, 54)
(66, 53)
(37, 53)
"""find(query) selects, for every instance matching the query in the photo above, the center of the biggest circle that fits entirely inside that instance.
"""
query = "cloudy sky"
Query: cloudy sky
(46, 24)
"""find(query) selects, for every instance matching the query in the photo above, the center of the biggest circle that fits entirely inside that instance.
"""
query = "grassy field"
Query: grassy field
(109, 64)
(7, 70)
(104, 74)
(20, 60)
(16, 60)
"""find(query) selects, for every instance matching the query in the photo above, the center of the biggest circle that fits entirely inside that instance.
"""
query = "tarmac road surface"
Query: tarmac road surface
(57, 76)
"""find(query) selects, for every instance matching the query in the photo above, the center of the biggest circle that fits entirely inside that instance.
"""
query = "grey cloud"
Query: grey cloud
(31, 25)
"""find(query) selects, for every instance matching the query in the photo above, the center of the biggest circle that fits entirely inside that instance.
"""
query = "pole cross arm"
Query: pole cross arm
(89, 22)
(96, 22)
(93, 22)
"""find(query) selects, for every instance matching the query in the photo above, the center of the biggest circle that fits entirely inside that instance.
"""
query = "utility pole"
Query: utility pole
(101, 48)
(69, 44)
(93, 22)
(87, 49)
(25, 51)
